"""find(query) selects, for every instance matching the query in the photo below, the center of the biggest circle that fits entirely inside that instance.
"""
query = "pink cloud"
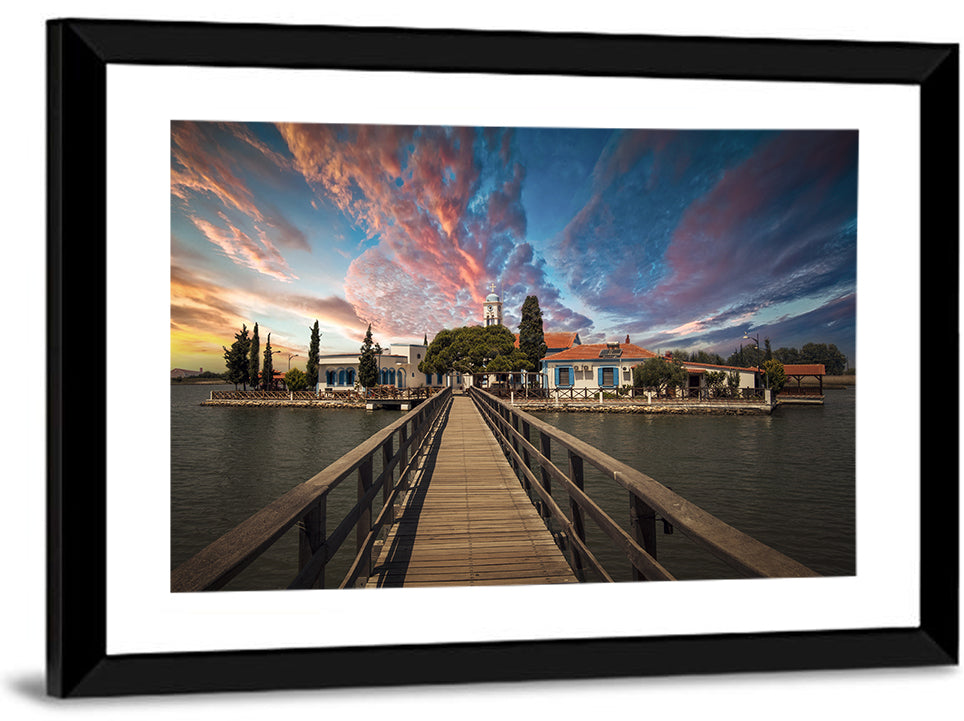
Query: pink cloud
(443, 231)
(199, 167)
(259, 255)
(205, 162)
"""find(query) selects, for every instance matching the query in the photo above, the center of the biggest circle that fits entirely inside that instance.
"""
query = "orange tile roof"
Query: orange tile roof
(590, 351)
(555, 340)
(560, 340)
(804, 369)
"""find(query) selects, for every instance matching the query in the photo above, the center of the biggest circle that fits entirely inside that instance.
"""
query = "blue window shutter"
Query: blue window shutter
(599, 377)
(557, 375)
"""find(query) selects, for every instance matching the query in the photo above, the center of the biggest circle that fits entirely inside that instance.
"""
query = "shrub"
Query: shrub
(296, 380)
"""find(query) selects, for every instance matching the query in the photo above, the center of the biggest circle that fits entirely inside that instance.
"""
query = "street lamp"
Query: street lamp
(756, 341)
(292, 355)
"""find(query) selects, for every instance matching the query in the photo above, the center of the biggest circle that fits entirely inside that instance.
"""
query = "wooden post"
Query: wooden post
(514, 424)
(545, 446)
(576, 475)
(403, 457)
(311, 536)
(642, 518)
(388, 482)
(365, 519)
(525, 458)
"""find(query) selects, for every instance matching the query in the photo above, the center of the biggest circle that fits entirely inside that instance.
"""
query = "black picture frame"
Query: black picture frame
(79, 52)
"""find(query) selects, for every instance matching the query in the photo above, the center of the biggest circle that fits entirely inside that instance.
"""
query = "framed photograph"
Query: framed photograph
(859, 139)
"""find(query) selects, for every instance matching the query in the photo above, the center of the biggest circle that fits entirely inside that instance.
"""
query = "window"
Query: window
(608, 377)
(564, 376)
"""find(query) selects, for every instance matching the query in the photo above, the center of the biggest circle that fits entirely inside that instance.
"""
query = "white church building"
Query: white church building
(397, 366)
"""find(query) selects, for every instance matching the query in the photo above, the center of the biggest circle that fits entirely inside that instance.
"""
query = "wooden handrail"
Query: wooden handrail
(305, 504)
(647, 497)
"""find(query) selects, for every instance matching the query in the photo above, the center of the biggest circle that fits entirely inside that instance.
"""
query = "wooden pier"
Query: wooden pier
(468, 498)
(467, 520)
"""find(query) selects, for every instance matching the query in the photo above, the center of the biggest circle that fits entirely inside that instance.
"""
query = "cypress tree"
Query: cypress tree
(368, 361)
(267, 371)
(532, 340)
(254, 355)
(311, 365)
(236, 358)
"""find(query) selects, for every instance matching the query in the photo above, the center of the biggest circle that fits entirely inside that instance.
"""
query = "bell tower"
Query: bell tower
(492, 308)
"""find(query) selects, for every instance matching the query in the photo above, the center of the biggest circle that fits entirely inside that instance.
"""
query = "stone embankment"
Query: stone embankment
(694, 408)
(283, 403)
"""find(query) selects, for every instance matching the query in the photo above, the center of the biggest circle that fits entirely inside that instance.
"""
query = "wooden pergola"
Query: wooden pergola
(804, 370)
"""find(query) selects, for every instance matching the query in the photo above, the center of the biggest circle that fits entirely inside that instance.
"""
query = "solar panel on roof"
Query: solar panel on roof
(611, 353)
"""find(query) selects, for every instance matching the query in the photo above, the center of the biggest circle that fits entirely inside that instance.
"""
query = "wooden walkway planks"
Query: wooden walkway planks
(467, 520)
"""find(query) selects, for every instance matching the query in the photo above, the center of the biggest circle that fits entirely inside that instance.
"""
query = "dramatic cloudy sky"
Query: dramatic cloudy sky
(679, 239)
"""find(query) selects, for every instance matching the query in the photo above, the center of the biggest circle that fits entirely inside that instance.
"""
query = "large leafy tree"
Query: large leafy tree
(660, 374)
(254, 357)
(787, 355)
(746, 357)
(236, 358)
(514, 361)
(473, 349)
(368, 361)
(698, 356)
(532, 341)
(834, 362)
(267, 368)
(311, 365)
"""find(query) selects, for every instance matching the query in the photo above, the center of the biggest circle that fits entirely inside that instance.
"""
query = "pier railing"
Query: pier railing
(648, 501)
(305, 506)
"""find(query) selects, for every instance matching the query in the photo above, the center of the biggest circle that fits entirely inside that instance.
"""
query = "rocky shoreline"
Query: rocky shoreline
(655, 408)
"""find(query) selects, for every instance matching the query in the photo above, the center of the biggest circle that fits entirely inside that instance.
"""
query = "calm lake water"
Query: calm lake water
(787, 479)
